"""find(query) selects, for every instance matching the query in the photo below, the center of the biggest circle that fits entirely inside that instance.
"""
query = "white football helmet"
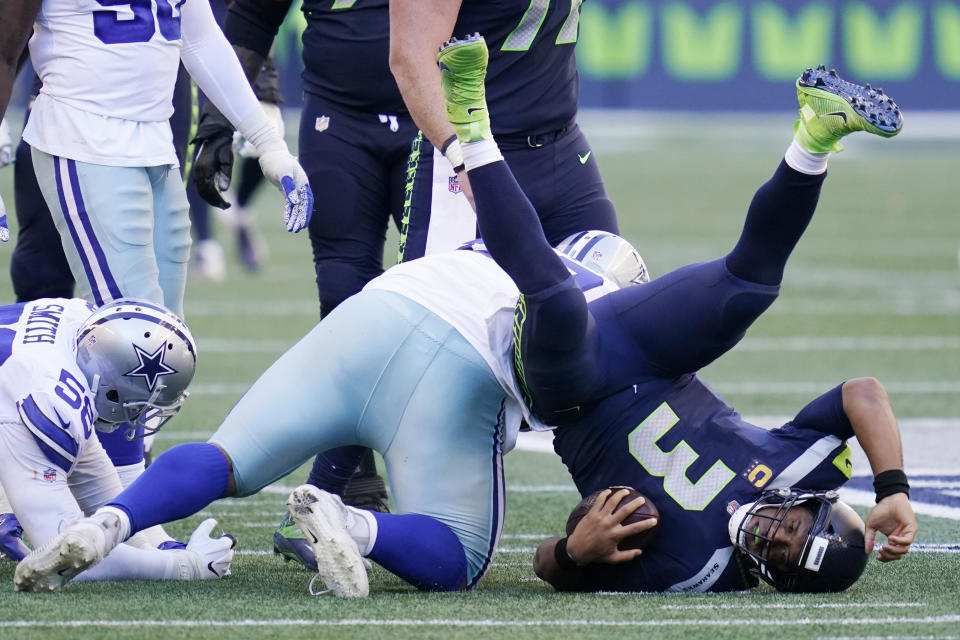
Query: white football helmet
(138, 358)
(606, 254)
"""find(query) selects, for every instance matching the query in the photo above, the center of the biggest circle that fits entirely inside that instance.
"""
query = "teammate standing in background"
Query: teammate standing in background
(532, 92)
(355, 141)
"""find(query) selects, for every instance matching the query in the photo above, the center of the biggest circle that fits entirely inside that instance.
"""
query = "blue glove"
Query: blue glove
(299, 205)
(283, 170)
(4, 230)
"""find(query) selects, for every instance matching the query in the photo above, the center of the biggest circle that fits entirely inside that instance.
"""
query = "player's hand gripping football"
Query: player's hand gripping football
(893, 516)
(597, 535)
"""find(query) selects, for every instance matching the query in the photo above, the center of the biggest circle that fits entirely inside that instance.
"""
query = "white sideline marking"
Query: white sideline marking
(868, 499)
(937, 637)
(791, 343)
(363, 622)
(849, 343)
(774, 605)
(918, 387)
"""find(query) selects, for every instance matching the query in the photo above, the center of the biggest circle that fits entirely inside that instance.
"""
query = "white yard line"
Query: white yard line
(456, 622)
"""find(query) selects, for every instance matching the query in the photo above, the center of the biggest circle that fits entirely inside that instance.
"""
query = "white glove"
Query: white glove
(283, 171)
(208, 558)
(243, 147)
(6, 144)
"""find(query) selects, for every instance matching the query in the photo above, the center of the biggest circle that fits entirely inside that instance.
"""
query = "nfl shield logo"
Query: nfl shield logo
(453, 185)
(322, 123)
(49, 474)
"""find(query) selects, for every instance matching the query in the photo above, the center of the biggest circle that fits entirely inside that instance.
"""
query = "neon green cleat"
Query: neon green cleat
(463, 68)
(831, 107)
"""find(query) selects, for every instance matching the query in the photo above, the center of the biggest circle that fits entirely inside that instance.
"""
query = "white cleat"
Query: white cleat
(323, 519)
(79, 547)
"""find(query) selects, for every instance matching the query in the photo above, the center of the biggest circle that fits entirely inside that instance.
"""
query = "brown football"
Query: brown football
(646, 510)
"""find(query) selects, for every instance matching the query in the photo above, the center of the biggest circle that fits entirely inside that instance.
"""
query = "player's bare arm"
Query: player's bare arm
(17, 18)
(417, 29)
(594, 540)
(868, 408)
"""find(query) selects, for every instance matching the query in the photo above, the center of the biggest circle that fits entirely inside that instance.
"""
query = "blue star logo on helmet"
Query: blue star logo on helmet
(151, 366)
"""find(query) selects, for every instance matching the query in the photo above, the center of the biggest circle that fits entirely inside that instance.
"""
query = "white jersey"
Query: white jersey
(470, 291)
(108, 72)
(41, 385)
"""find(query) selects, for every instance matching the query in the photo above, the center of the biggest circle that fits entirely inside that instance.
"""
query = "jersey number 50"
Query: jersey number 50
(672, 465)
(108, 26)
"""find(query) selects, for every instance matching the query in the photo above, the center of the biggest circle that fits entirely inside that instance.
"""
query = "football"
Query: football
(644, 511)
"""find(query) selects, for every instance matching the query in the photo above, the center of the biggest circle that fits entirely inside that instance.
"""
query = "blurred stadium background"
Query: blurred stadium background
(688, 106)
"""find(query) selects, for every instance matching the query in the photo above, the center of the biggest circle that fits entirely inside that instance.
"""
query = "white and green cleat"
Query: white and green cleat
(831, 108)
(463, 69)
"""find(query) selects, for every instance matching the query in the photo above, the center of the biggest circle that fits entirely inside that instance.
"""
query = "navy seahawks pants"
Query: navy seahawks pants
(357, 167)
(572, 354)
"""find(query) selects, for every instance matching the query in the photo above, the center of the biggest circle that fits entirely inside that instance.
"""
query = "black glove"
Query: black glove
(213, 163)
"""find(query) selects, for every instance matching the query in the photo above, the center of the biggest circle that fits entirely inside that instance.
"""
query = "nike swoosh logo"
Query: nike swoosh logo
(583, 158)
(315, 539)
(472, 109)
(840, 114)
(212, 570)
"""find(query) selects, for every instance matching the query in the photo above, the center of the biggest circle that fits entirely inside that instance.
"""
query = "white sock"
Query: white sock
(362, 528)
(128, 563)
(4, 503)
(115, 521)
(476, 154)
(799, 159)
(129, 472)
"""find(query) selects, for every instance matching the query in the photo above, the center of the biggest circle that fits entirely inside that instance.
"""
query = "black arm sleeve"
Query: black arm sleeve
(255, 23)
(826, 414)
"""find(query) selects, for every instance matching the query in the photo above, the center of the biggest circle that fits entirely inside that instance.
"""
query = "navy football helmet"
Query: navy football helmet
(138, 358)
(606, 254)
(831, 555)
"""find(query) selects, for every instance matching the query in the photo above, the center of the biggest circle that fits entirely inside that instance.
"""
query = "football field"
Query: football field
(873, 289)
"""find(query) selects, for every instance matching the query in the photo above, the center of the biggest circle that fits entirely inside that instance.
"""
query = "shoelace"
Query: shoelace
(310, 587)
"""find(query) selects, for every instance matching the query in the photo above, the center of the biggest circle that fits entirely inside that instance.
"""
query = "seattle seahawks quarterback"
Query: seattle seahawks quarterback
(417, 366)
(618, 377)
(66, 370)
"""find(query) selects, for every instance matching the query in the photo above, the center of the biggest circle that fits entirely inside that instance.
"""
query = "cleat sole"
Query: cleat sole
(881, 114)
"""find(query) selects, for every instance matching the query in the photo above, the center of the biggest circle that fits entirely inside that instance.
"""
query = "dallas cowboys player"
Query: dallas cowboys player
(430, 336)
(617, 377)
(65, 371)
(102, 145)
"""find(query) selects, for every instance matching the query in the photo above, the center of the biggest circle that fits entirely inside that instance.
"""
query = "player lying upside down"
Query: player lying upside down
(615, 373)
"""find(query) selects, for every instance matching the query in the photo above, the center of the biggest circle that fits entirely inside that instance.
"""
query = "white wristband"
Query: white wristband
(451, 150)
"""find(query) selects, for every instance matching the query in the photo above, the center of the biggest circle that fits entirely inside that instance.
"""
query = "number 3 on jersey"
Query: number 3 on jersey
(672, 465)
(111, 28)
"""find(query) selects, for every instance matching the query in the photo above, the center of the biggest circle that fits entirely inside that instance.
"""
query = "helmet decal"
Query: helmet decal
(151, 365)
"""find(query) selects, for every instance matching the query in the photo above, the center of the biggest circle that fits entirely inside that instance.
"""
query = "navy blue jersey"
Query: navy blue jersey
(346, 48)
(532, 81)
(698, 460)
